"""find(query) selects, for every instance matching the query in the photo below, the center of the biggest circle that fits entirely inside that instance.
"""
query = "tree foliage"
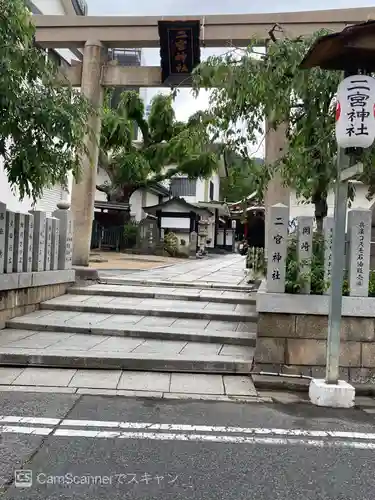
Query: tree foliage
(243, 178)
(165, 142)
(43, 124)
(250, 86)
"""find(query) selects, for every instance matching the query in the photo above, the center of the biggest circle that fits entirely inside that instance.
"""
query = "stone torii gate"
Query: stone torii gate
(96, 34)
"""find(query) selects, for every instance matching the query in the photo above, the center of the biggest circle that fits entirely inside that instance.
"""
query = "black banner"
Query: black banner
(179, 50)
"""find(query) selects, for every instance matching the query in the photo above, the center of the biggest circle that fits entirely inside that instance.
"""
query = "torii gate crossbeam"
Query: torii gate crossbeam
(217, 30)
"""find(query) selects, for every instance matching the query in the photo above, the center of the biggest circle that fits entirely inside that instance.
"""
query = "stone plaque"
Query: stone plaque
(193, 243)
(39, 240)
(328, 242)
(48, 245)
(359, 229)
(28, 244)
(55, 243)
(304, 250)
(65, 238)
(277, 247)
(19, 242)
(9, 242)
(3, 210)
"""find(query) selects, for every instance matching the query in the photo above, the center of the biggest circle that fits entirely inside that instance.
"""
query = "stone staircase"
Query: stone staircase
(132, 324)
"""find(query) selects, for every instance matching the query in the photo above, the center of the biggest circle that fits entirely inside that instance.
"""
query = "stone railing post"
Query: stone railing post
(305, 250)
(19, 242)
(3, 210)
(9, 242)
(48, 245)
(39, 240)
(28, 245)
(65, 238)
(328, 241)
(359, 236)
(55, 243)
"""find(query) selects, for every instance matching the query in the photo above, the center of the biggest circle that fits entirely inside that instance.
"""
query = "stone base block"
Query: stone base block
(86, 273)
(340, 395)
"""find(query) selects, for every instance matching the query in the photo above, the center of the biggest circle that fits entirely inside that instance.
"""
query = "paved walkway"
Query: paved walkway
(223, 270)
(178, 339)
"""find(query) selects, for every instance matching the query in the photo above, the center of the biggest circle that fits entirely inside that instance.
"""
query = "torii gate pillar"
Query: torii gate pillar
(276, 143)
(83, 192)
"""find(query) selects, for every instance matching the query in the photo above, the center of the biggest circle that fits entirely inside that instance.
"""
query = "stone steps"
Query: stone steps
(100, 324)
(153, 307)
(167, 293)
(207, 285)
(66, 350)
(161, 328)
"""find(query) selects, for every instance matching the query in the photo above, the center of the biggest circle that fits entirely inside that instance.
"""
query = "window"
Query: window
(181, 186)
(211, 190)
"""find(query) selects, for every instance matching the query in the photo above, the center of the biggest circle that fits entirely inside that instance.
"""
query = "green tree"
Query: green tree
(43, 124)
(250, 85)
(243, 178)
(132, 164)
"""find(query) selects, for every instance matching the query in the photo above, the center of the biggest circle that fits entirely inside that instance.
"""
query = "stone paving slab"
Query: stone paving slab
(81, 293)
(120, 360)
(153, 307)
(125, 326)
(146, 381)
(143, 281)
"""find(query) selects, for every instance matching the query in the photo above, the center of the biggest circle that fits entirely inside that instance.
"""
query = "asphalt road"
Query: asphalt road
(177, 462)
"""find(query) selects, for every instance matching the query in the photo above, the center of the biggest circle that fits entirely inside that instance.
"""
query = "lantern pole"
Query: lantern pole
(338, 264)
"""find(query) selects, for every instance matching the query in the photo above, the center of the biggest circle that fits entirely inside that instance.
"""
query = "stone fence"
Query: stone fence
(292, 328)
(35, 259)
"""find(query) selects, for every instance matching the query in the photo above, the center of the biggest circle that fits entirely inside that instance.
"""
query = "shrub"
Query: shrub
(130, 234)
(295, 280)
(171, 244)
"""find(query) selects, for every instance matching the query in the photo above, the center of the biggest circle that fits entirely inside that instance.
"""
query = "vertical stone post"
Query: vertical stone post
(55, 244)
(28, 244)
(359, 228)
(39, 240)
(276, 193)
(277, 248)
(48, 245)
(328, 224)
(19, 242)
(305, 250)
(193, 243)
(83, 192)
(9, 242)
(3, 211)
(65, 238)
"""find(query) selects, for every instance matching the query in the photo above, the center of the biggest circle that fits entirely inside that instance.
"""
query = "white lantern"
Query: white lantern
(355, 112)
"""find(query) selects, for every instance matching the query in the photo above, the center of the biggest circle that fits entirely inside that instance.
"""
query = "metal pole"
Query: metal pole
(338, 264)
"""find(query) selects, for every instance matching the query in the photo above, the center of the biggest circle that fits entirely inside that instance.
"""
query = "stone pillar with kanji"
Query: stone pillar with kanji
(304, 250)
(277, 248)
(359, 229)
(328, 224)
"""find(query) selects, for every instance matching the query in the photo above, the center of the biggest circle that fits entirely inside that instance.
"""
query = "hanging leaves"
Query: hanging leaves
(43, 125)
(250, 85)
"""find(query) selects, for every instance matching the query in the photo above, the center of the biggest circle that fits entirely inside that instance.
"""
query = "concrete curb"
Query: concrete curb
(126, 361)
(84, 391)
(162, 295)
(166, 313)
(178, 284)
(269, 383)
(247, 339)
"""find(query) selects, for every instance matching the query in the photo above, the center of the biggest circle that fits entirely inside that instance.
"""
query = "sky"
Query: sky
(185, 103)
